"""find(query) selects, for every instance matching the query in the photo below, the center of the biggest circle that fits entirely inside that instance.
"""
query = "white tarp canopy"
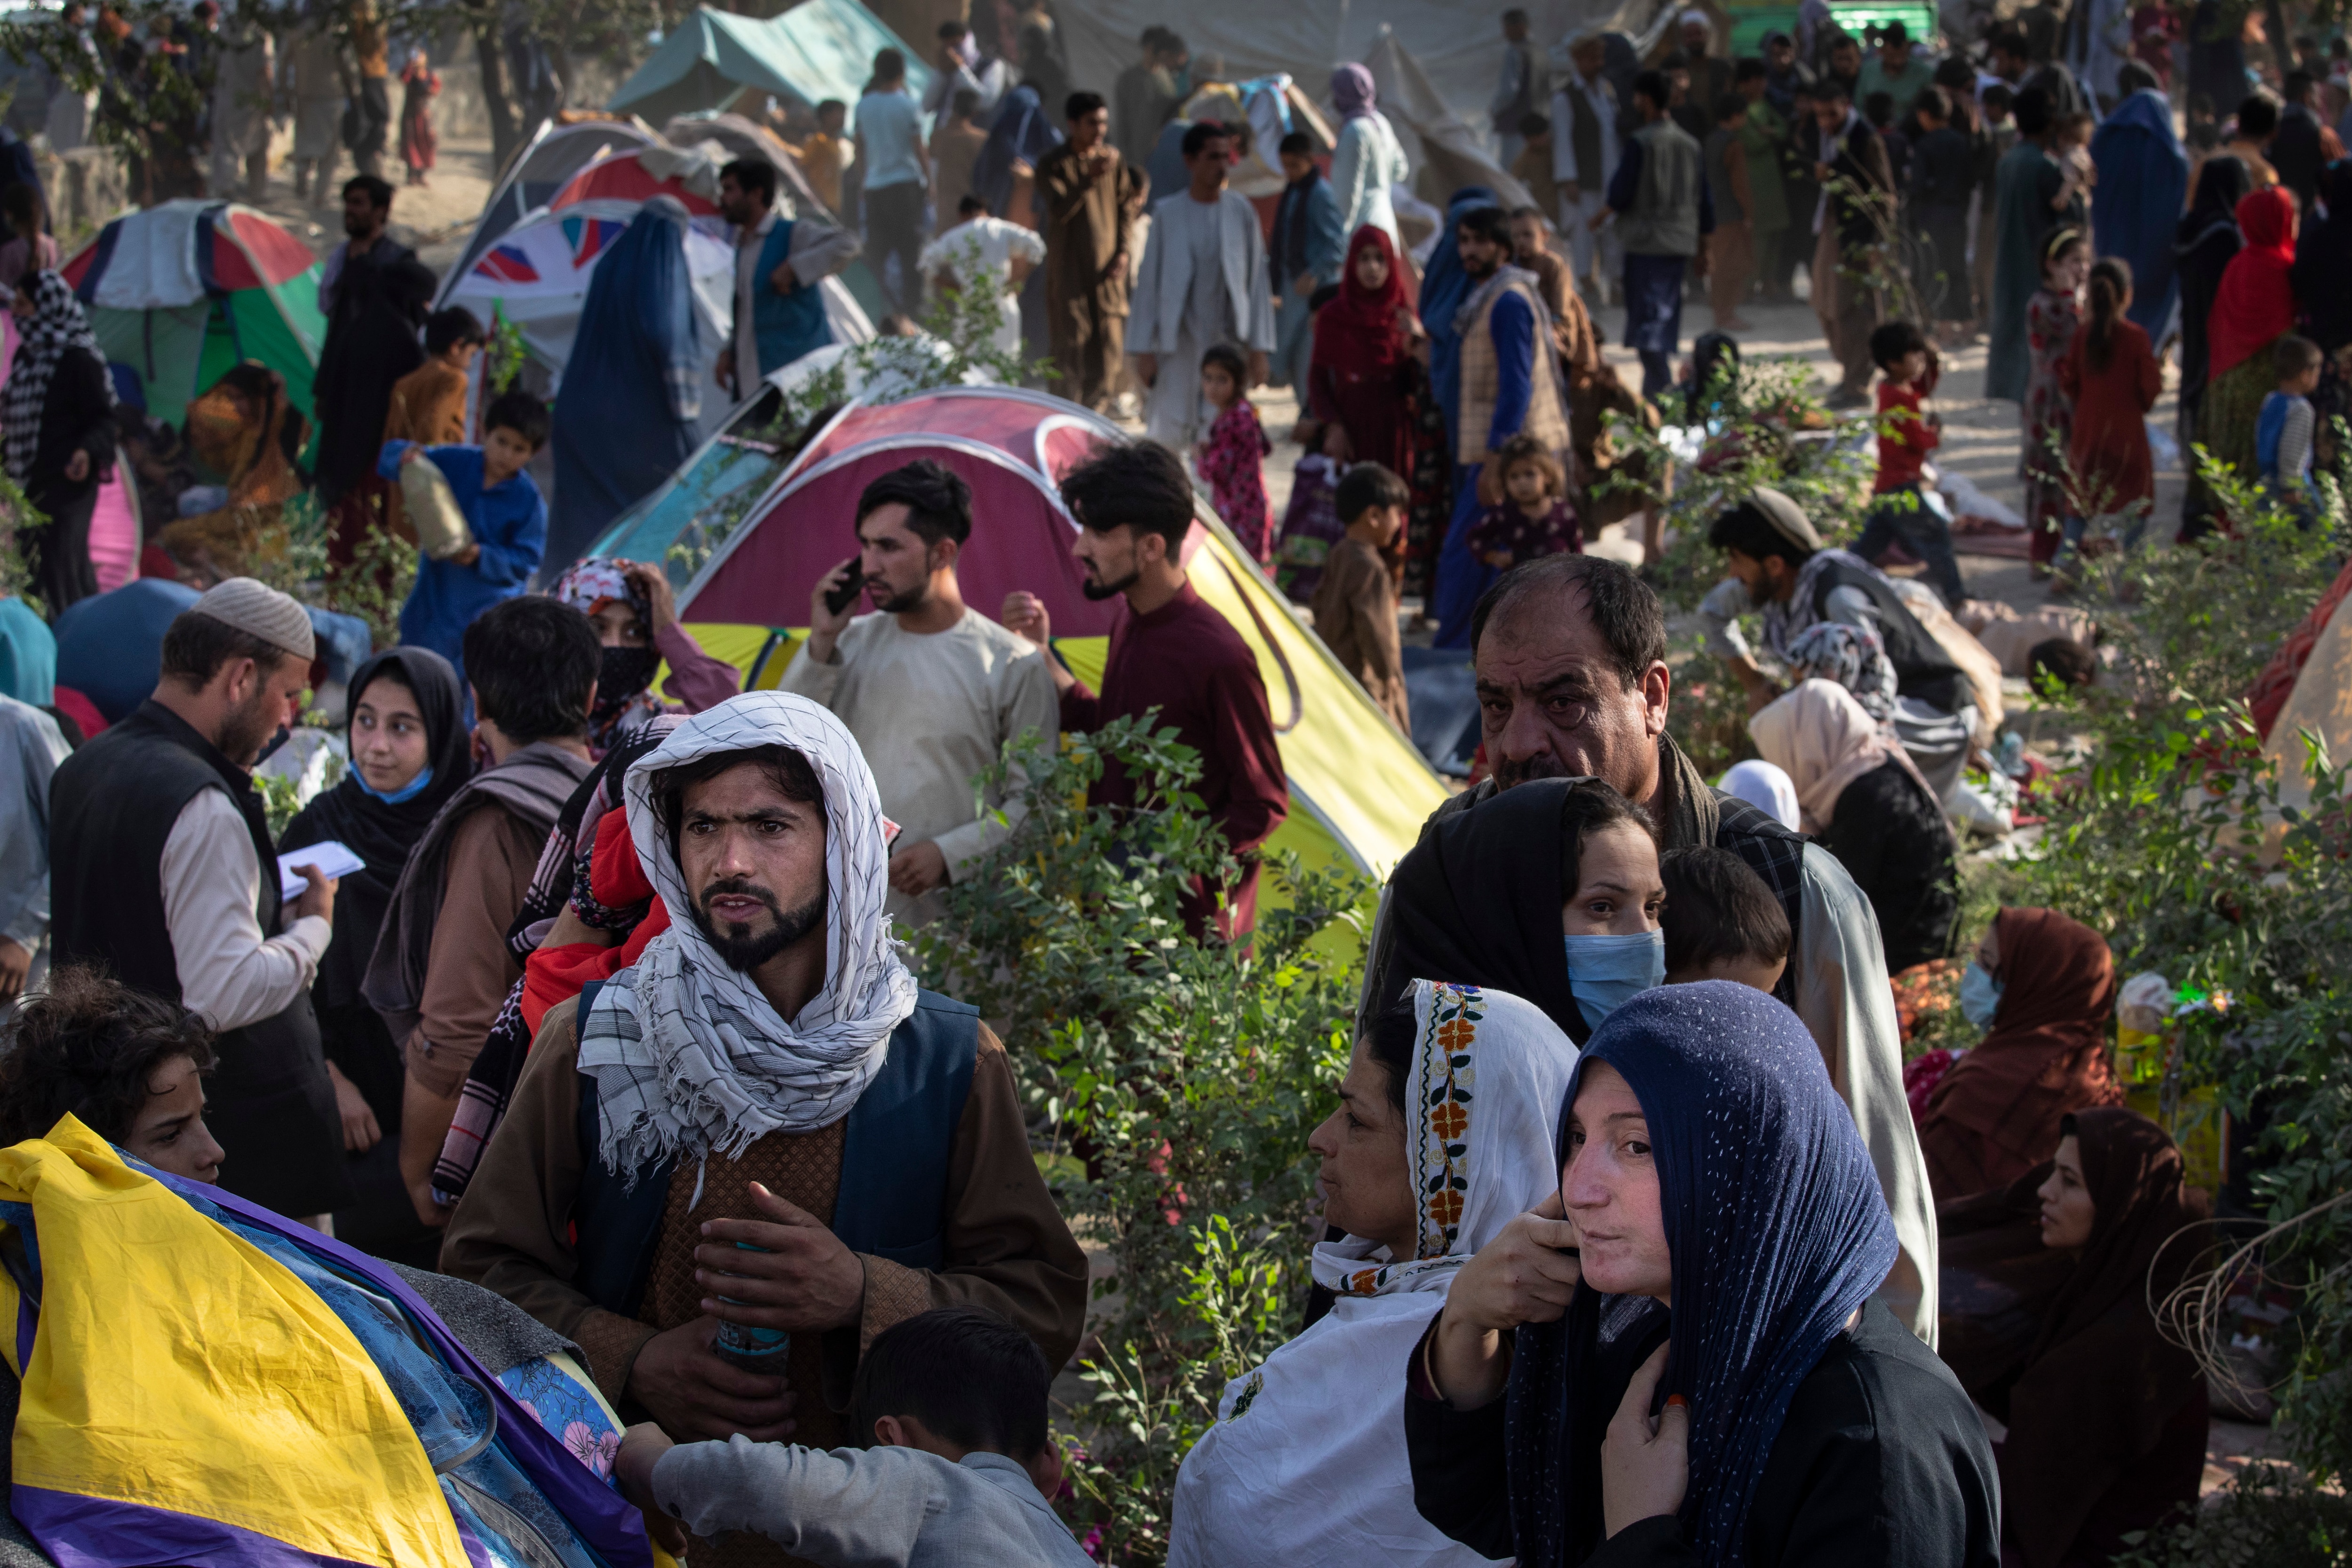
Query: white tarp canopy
(1460, 48)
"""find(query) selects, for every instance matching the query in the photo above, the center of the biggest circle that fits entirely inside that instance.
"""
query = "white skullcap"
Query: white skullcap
(1696, 14)
(259, 611)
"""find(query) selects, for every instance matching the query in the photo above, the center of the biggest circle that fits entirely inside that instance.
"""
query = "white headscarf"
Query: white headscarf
(1306, 1460)
(1765, 786)
(688, 1055)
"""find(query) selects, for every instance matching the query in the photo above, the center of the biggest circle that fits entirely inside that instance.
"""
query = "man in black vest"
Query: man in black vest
(162, 870)
(728, 1168)
(1772, 550)
(1570, 657)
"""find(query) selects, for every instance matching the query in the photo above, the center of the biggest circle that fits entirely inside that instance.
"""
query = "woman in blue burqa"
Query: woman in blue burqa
(1677, 1358)
(2143, 185)
(625, 417)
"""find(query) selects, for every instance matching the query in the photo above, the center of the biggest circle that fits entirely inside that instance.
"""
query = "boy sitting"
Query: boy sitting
(1721, 923)
(1903, 508)
(954, 1402)
(504, 511)
(1355, 604)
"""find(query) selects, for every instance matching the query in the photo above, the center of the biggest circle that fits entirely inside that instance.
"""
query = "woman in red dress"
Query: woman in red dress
(417, 142)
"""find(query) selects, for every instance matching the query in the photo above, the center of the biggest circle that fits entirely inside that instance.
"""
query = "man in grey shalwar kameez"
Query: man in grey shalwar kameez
(1203, 282)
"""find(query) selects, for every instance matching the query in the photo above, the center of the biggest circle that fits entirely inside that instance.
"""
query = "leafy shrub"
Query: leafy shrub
(2267, 1517)
(1172, 1081)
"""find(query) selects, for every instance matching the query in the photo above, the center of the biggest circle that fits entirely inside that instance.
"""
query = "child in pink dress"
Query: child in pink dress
(1233, 458)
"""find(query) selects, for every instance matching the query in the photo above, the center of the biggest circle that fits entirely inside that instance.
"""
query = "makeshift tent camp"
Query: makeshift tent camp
(1452, 155)
(2307, 686)
(743, 139)
(691, 174)
(821, 49)
(543, 167)
(183, 291)
(1459, 47)
(537, 276)
(1359, 790)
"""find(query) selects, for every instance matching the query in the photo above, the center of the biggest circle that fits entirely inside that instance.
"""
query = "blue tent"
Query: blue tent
(821, 49)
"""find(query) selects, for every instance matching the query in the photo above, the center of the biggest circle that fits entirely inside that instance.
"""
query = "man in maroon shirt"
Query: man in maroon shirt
(1169, 651)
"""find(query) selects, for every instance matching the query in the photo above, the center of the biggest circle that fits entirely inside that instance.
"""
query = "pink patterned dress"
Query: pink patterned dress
(2051, 318)
(1233, 461)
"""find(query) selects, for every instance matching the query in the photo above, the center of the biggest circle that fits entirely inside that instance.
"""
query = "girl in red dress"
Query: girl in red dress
(2111, 376)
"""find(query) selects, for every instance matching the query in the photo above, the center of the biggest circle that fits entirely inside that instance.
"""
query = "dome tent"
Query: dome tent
(183, 291)
(1359, 791)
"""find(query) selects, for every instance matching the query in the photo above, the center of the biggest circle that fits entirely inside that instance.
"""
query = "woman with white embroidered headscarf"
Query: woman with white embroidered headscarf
(1864, 800)
(1368, 160)
(1444, 1134)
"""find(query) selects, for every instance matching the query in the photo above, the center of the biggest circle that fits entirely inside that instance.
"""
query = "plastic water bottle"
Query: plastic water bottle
(761, 1350)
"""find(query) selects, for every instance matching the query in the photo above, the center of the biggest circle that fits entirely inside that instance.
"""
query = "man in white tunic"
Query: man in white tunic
(931, 690)
(1203, 282)
(987, 254)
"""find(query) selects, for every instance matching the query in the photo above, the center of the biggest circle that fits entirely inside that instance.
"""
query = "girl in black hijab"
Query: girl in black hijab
(409, 754)
(2203, 245)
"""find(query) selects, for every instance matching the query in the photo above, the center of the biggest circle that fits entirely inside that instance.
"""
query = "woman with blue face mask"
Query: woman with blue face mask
(2042, 987)
(409, 753)
(1549, 891)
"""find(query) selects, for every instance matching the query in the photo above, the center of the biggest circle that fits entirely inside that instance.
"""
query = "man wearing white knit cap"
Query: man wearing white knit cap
(766, 1076)
(161, 869)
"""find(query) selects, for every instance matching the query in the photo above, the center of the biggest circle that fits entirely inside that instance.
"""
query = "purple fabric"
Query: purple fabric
(607, 1521)
(1353, 92)
(96, 1532)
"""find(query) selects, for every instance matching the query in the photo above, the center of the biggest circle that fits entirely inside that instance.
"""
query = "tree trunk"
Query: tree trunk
(506, 131)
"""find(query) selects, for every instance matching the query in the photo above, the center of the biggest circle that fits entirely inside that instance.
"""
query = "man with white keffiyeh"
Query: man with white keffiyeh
(764, 1105)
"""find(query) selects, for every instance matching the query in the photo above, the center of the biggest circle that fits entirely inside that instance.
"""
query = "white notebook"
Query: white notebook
(332, 859)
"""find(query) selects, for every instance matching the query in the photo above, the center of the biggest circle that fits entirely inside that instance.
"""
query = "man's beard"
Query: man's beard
(890, 603)
(1094, 590)
(750, 948)
(247, 730)
(1471, 270)
(1763, 591)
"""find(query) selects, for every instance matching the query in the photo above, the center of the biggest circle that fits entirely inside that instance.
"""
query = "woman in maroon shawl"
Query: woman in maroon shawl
(1995, 1114)
(2046, 1322)
(1363, 375)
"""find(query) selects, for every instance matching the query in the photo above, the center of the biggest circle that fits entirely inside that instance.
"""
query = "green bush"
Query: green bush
(1172, 1084)
(2156, 843)
(2267, 1517)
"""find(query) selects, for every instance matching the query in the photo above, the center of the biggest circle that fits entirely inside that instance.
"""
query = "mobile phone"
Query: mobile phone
(838, 599)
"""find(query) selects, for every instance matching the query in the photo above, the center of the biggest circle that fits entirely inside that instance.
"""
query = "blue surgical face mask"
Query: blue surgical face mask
(1979, 996)
(1605, 972)
(408, 791)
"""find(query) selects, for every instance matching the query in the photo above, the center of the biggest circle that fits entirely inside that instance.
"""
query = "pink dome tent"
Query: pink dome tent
(1359, 790)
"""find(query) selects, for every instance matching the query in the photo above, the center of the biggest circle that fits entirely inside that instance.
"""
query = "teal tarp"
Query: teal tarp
(820, 49)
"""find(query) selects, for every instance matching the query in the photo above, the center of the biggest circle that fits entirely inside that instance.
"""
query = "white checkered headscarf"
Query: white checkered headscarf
(688, 1055)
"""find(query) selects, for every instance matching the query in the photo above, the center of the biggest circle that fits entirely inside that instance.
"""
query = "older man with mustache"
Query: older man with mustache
(1570, 657)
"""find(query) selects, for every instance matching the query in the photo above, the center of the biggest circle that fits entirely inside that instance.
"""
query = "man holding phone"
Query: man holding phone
(931, 690)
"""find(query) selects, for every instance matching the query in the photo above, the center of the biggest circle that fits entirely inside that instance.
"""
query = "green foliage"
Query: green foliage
(1768, 428)
(2267, 1517)
(2173, 842)
(1173, 1083)
(503, 354)
(17, 516)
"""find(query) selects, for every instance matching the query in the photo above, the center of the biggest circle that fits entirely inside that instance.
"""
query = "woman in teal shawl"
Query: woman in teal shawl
(2029, 179)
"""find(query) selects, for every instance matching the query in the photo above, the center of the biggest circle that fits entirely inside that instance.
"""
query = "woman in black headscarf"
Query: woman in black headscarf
(2323, 259)
(409, 753)
(2204, 244)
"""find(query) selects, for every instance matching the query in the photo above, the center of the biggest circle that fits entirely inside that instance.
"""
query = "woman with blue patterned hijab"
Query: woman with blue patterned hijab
(1720, 1388)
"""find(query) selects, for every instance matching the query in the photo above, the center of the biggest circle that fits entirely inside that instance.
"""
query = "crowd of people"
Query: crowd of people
(1644, 1246)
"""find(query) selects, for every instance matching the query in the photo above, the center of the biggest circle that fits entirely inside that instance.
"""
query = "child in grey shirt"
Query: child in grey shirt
(954, 1400)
